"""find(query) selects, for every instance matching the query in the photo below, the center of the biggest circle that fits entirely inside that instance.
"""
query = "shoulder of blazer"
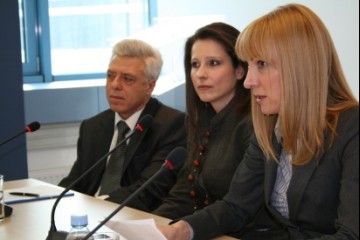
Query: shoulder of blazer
(100, 117)
(349, 119)
(102, 122)
(152, 107)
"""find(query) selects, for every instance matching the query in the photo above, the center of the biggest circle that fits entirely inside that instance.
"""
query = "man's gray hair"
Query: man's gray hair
(140, 49)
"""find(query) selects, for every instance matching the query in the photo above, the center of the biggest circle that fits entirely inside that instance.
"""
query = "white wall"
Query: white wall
(52, 149)
(341, 18)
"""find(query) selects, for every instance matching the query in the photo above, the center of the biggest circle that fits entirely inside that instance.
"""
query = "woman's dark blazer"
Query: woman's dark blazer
(229, 138)
(144, 155)
(323, 196)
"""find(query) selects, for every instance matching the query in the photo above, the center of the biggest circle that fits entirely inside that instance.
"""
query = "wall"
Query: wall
(52, 150)
(342, 20)
(13, 162)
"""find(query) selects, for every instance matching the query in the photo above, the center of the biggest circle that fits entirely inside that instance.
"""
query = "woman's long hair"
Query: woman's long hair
(313, 86)
(225, 35)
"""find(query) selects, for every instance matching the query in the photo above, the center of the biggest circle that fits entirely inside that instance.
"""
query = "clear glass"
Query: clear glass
(22, 33)
(107, 235)
(2, 208)
(83, 32)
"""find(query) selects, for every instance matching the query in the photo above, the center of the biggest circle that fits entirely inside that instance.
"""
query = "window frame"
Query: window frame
(36, 30)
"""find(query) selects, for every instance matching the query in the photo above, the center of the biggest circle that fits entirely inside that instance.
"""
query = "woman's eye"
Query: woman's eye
(195, 64)
(214, 62)
(261, 64)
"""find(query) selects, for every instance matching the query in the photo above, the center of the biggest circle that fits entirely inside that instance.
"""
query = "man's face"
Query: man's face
(127, 87)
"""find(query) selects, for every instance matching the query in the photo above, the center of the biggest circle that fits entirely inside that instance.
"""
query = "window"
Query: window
(70, 40)
(29, 49)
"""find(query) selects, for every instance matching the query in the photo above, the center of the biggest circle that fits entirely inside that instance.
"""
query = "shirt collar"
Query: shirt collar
(277, 131)
(131, 121)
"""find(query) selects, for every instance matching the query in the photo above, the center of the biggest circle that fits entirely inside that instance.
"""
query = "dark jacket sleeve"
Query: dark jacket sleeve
(178, 203)
(244, 199)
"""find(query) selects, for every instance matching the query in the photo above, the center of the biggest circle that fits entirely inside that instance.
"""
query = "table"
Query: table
(31, 220)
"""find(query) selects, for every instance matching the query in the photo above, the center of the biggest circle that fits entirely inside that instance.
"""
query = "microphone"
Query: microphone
(144, 123)
(7, 209)
(32, 127)
(174, 160)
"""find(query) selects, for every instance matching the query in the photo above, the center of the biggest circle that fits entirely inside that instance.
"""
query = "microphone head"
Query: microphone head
(32, 127)
(145, 122)
(176, 158)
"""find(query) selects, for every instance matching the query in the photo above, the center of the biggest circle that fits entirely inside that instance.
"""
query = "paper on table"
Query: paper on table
(144, 229)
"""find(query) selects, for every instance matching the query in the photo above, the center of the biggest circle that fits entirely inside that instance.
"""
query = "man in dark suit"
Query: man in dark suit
(131, 78)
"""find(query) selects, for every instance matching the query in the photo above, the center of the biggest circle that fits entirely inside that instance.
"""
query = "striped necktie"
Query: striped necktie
(113, 172)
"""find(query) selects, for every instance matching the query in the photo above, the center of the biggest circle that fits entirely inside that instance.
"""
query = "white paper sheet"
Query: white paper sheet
(144, 229)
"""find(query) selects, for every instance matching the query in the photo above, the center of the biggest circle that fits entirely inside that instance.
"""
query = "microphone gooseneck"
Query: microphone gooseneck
(174, 160)
(145, 122)
(32, 127)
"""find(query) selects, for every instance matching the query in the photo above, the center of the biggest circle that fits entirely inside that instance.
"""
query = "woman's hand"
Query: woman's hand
(177, 231)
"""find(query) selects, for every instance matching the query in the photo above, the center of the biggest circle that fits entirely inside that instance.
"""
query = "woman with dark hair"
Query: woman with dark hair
(303, 161)
(218, 123)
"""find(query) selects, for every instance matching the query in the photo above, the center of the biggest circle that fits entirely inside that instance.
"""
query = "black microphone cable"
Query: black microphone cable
(144, 123)
(174, 160)
(32, 127)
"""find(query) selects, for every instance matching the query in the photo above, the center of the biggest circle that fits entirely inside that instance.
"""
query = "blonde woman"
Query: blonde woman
(303, 162)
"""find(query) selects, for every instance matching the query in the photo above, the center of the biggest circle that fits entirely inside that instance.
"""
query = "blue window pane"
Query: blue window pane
(29, 47)
(83, 32)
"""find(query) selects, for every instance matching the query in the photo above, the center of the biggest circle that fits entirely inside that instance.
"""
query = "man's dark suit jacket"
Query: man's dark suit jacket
(144, 155)
(323, 195)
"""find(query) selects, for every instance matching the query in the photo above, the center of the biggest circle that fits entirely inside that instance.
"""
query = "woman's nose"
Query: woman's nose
(201, 71)
(249, 82)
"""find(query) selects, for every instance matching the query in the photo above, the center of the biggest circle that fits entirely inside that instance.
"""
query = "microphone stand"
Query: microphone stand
(61, 235)
(32, 127)
(145, 122)
(8, 140)
(123, 204)
(173, 161)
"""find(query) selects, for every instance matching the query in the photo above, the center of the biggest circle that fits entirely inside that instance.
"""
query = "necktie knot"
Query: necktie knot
(122, 129)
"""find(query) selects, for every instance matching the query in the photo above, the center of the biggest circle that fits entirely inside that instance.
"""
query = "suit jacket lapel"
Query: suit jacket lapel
(300, 177)
(104, 133)
(107, 132)
(151, 108)
(299, 181)
(271, 171)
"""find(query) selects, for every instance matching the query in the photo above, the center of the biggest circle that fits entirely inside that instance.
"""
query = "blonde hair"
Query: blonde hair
(313, 86)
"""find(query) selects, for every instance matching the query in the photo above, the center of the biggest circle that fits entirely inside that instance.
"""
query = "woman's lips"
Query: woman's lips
(204, 87)
(259, 98)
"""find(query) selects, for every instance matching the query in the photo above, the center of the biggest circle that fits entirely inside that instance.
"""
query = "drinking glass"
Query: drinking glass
(2, 208)
(106, 236)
